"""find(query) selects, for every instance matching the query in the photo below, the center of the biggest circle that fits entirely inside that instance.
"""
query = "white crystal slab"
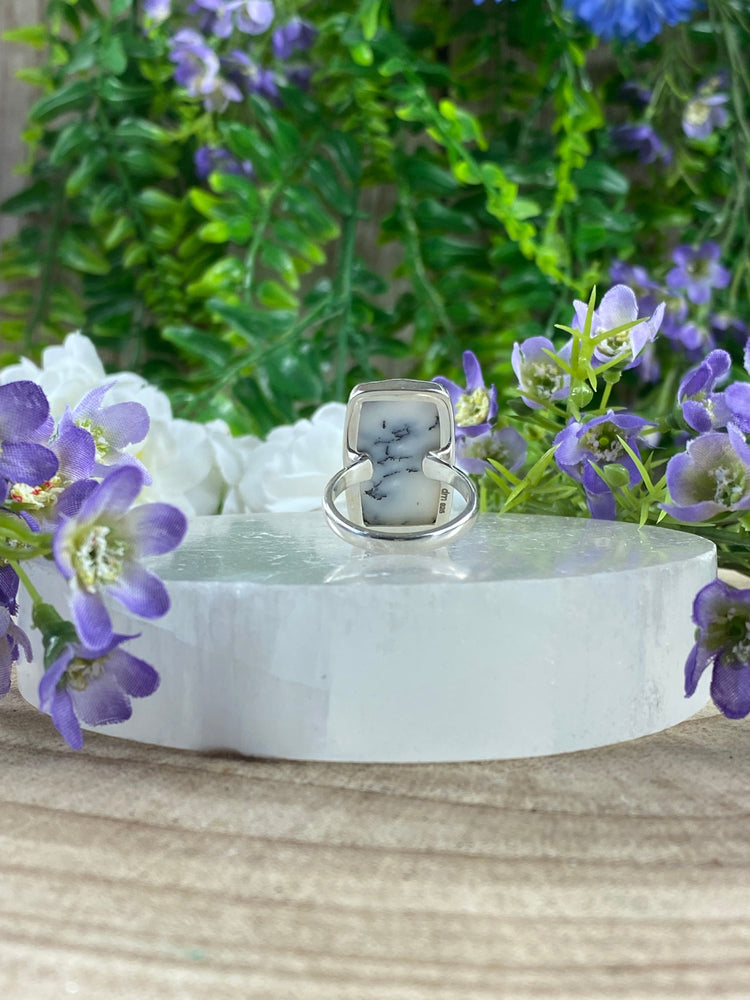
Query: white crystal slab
(528, 635)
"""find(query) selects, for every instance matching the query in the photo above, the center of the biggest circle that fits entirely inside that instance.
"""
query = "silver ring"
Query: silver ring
(399, 474)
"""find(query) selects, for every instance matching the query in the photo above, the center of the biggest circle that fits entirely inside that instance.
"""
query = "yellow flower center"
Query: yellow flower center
(473, 408)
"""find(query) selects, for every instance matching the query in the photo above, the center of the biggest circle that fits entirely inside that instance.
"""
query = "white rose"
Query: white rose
(288, 472)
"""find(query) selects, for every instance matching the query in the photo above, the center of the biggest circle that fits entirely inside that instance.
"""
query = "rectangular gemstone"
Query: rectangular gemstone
(397, 435)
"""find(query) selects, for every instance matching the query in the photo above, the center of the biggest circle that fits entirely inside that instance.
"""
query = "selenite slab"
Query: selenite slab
(397, 436)
(528, 635)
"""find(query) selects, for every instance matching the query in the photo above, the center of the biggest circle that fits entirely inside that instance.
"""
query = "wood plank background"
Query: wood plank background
(131, 872)
(15, 98)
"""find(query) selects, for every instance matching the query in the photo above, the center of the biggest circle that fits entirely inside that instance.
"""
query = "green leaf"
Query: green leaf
(279, 260)
(157, 202)
(368, 14)
(598, 176)
(199, 344)
(245, 189)
(89, 166)
(324, 178)
(275, 296)
(253, 325)
(74, 96)
(113, 89)
(141, 130)
(345, 152)
(112, 55)
(34, 35)
(36, 198)
(118, 7)
(293, 373)
(72, 252)
(75, 138)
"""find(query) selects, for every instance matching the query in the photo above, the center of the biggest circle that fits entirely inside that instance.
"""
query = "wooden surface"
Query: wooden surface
(129, 872)
(15, 99)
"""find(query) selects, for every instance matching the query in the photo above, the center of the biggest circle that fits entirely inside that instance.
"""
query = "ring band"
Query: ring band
(398, 444)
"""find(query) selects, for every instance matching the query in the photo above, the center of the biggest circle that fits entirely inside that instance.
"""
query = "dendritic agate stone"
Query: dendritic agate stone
(397, 436)
(527, 635)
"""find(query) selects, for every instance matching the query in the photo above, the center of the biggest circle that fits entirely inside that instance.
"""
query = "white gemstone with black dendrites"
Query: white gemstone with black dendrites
(397, 435)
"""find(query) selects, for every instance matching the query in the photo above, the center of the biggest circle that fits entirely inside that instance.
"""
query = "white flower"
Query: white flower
(288, 472)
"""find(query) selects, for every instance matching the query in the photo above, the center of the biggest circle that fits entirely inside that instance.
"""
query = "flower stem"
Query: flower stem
(23, 576)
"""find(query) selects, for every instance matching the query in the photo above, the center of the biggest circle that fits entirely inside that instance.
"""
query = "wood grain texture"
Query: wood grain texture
(15, 99)
(130, 871)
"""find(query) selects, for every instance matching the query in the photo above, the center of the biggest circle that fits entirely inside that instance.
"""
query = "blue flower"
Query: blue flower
(97, 550)
(540, 379)
(582, 446)
(11, 638)
(504, 445)
(630, 20)
(698, 271)
(643, 141)
(475, 407)
(710, 478)
(94, 686)
(706, 111)
(722, 615)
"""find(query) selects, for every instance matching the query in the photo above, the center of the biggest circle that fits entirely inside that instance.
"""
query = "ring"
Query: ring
(398, 475)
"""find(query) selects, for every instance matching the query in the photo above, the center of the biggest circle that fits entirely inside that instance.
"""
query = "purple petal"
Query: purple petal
(696, 663)
(696, 416)
(23, 409)
(136, 677)
(51, 677)
(619, 306)
(71, 500)
(699, 293)
(472, 371)
(454, 391)
(91, 619)
(65, 720)
(713, 601)
(21, 462)
(692, 513)
(114, 494)
(76, 452)
(141, 592)
(156, 527)
(88, 407)
(683, 255)
(124, 423)
(730, 688)
(102, 702)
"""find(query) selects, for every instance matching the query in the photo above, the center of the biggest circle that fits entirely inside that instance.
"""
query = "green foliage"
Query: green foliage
(472, 152)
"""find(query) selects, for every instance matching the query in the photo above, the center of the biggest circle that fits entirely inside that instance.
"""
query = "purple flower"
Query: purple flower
(94, 686)
(698, 271)
(219, 19)
(706, 110)
(540, 379)
(643, 141)
(722, 615)
(156, 11)
(249, 77)
(197, 65)
(636, 277)
(294, 36)
(581, 446)
(504, 445)
(475, 407)
(694, 339)
(11, 638)
(703, 409)
(209, 159)
(710, 478)
(75, 451)
(8, 588)
(619, 307)
(725, 325)
(253, 16)
(24, 418)
(112, 428)
(632, 20)
(97, 551)
(636, 93)
(221, 95)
